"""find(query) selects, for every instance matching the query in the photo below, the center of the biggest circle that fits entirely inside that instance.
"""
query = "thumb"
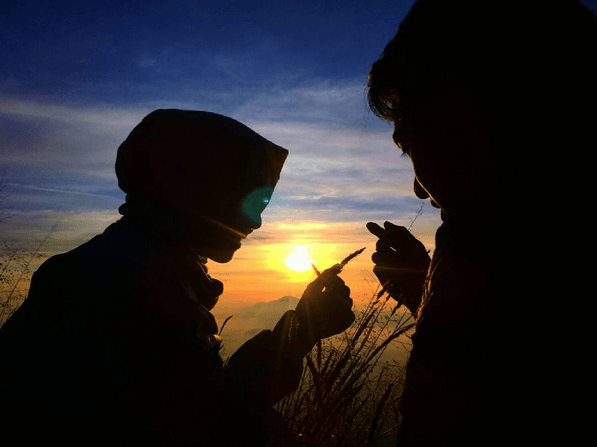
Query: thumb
(326, 278)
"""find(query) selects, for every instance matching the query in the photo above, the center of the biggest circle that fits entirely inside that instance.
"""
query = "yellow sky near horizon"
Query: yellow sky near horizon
(258, 271)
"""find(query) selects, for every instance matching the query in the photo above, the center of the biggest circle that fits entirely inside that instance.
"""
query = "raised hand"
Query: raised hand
(325, 309)
(401, 263)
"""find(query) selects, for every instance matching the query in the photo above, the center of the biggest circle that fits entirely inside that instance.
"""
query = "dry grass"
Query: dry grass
(15, 276)
(349, 394)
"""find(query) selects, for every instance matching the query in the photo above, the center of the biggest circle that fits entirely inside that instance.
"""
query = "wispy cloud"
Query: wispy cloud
(59, 137)
(61, 231)
(326, 160)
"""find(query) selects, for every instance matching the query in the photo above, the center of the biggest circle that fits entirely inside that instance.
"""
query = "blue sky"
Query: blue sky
(77, 76)
(219, 55)
(95, 51)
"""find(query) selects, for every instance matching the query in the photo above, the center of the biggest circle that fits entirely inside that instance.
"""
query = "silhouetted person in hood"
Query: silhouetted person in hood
(116, 345)
(494, 104)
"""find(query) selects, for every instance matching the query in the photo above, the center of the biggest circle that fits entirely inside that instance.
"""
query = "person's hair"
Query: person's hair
(504, 50)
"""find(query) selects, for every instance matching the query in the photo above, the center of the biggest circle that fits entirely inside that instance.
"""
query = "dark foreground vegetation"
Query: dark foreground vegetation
(350, 391)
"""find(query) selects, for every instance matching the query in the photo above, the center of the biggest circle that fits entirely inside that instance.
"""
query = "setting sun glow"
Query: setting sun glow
(299, 259)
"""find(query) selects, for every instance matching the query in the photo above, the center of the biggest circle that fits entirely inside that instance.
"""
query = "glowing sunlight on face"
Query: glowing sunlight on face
(299, 259)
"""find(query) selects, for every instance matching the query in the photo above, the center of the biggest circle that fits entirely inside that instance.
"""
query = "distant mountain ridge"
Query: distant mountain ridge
(249, 321)
(267, 309)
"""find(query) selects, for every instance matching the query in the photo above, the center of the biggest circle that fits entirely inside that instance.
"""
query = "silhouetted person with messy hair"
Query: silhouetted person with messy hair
(494, 104)
(116, 345)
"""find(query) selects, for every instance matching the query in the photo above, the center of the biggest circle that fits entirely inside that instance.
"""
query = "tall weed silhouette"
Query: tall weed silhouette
(349, 394)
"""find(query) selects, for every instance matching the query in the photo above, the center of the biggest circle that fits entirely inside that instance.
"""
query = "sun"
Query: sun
(299, 259)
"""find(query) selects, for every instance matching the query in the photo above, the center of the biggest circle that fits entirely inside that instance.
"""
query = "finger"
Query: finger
(347, 318)
(383, 245)
(334, 270)
(341, 323)
(397, 232)
(393, 227)
(331, 275)
(385, 274)
(315, 286)
(384, 259)
(344, 316)
(338, 292)
(349, 303)
(325, 279)
(375, 229)
(350, 317)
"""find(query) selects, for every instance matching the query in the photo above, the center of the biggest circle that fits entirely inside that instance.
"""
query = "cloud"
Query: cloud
(341, 105)
(343, 166)
(63, 138)
(54, 232)
(97, 116)
(55, 147)
(65, 198)
(335, 173)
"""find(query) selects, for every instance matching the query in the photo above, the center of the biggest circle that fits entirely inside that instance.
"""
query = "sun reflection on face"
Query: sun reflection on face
(299, 259)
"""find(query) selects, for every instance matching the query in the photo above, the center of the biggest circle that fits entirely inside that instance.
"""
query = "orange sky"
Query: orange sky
(258, 272)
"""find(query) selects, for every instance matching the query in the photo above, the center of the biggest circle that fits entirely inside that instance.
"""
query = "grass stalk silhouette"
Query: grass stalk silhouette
(348, 394)
(15, 269)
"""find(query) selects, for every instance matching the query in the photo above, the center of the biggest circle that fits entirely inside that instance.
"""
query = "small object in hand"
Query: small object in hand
(350, 257)
(338, 267)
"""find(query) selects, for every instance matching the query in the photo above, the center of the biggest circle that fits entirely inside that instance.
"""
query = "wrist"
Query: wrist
(295, 335)
(303, 338)
(409, 296)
